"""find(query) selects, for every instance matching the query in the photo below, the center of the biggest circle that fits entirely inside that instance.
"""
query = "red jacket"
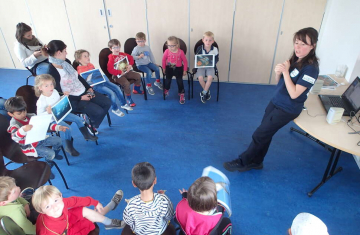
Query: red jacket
(58, 225)
(115, 58)
(193, 223)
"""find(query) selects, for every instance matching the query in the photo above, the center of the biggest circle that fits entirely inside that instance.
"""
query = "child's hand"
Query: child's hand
(48, 109)
(141, 55)
(99, 208)
(66, 93)
(27, 128)
(128, 68)
(27, 210)
(184, 73)
(161, 191)
(63, 128)
(182, 191)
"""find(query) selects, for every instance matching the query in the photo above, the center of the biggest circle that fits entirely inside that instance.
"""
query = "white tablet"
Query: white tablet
(61, 109)
(93, 77)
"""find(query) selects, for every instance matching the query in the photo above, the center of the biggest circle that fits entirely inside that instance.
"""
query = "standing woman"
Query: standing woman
(82, 97)
(295, 77)
(28, 50)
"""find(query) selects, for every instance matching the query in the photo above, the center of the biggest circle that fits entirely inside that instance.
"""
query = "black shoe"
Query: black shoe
(208, 96)
(236, 165)
(202, 97)
(58, 157)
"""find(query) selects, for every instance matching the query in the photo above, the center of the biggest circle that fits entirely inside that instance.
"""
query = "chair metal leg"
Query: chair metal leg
(192, 86)
(66, 158)
(189, 77)
(164, 79)
(49, 181)
(61, 174)
(143, 85)
(27, 79)
(108, 118)
(218, 87)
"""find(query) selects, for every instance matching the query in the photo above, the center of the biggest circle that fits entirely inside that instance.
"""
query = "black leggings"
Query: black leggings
(178, 73)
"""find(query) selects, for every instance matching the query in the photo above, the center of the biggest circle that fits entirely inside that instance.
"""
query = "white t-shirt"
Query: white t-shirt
(44, 101)
(71, 83)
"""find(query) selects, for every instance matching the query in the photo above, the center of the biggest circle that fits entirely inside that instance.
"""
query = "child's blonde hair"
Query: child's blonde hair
(78, 54)
(140, 35)
(39, 80)
(42, 196)
(208, 34)
(174, 39)
(202, 195)
(6, 185)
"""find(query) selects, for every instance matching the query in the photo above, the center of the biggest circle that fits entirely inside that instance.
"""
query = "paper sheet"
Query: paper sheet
(40, 127)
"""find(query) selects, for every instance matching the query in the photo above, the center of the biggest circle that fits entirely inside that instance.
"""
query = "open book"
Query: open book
(222, 187)
(122, 65)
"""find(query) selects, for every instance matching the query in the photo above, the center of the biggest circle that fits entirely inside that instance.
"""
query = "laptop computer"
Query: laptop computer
(349, 100)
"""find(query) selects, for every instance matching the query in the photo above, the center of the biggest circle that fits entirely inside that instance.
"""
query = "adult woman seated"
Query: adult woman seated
(82, 97)
(28, 50)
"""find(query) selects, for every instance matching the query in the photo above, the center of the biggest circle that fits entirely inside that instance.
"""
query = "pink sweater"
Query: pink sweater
(177, 58)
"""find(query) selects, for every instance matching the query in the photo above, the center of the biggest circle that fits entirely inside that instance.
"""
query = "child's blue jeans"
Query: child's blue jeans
(49, 153)
(74, 118)
(147, 69)
(112, 91)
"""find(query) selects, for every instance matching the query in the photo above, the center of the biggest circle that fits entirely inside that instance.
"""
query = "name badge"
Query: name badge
(308, 79)
(294, 73)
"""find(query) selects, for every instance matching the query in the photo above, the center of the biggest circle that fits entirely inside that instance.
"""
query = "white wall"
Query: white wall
(339, 39)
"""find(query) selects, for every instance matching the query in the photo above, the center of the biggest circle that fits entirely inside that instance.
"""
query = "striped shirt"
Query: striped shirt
(149, 218)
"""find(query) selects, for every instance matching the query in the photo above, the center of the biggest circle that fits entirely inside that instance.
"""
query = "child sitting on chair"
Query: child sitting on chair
(145, 62)
(199, 212)
(14, 206)
(149, 212)
(19, 126)
(124, 69)
(48, 96)
(60, 215)
(174, 63)
(111, 90)
(206, 49)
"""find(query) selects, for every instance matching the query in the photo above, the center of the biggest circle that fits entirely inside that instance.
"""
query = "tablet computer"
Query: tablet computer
(205, 61)
(61, 109)
(93, 77)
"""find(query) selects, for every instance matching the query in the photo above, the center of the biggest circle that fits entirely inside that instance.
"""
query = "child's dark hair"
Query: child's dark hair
(143, 175)
(140, 35)
(21, 29)
(311, 57)
(114, 42)
(53, 47)
(15, 104)
(202, 195)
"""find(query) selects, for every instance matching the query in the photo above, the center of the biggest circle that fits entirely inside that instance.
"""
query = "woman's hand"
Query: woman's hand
(37, 54)
(66, 93)
(86, 97)
(48, 109)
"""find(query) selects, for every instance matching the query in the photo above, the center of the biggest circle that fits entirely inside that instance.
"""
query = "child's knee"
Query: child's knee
(201, 78)
(210, 78)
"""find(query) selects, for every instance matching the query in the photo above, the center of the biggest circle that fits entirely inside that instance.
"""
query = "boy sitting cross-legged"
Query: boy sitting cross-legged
(148, 213)
(14, 206)
(60, 215)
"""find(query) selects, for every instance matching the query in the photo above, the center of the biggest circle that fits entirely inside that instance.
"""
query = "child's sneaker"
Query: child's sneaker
(118, 113)
(137, 90)
(115, 224)
(208, 96)
(91, 131)
(117, 198)
(159, 85)
(131, 102)
(202, 97)
(27, 193)
(182, 98)
(58, 157)
(166, 93)
(150, 90)
(126, 106)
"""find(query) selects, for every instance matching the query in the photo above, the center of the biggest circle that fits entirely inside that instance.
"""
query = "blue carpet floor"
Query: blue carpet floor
(180, 140)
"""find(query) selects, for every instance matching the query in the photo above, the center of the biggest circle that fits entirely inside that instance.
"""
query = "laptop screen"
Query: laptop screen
(352, 94)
